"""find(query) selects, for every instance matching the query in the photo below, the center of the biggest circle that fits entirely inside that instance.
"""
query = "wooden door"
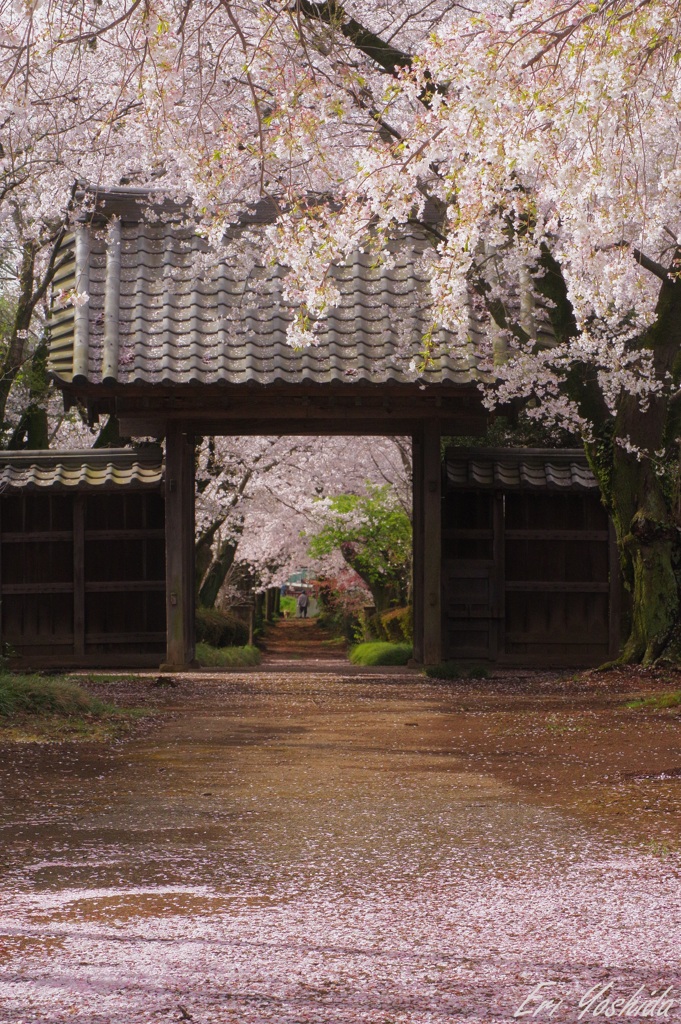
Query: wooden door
(472, 594)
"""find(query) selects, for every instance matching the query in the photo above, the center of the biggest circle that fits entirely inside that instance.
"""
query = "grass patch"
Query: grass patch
(288, 604)
(657, 701)
(35, 708)
(35, 695)
(381, 653)
(456, 670)
(226, 657)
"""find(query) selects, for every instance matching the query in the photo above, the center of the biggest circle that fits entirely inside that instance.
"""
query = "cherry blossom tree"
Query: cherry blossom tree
(536, 143)
(549, 134)
(373, 533)
(259, 497)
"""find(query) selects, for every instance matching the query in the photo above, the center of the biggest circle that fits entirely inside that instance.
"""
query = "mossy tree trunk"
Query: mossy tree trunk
(641, 491)
(635, 455)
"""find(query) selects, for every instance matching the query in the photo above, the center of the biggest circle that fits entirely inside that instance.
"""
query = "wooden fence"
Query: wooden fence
(82, 559)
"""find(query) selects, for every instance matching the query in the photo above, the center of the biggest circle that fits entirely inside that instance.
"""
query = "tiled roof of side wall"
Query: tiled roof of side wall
(516, 470)
(180, 319)
(105, 469)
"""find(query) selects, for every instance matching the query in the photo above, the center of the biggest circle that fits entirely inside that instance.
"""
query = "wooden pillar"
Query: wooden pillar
(432, 555)
(417, 544)
(179, 515)
(79, 575)
(427, 497)
(615, 595)
(497, 627)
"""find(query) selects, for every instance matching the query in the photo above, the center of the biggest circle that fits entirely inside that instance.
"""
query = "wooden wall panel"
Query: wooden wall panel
(83, 577)
(527, 577)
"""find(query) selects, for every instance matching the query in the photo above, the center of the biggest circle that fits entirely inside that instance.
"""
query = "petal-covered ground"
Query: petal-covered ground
(320, 847)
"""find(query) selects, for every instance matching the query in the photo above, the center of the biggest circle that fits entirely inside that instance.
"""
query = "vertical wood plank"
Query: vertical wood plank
(79, 575)
(432, 551)
(179, 542)
(188, 513)
(2, 607)
(615, 595)
(417, 543)
(498, 609)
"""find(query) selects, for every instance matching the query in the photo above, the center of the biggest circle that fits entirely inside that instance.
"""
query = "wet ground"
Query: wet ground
(334, 847)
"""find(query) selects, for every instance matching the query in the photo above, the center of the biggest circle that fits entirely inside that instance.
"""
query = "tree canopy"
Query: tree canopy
(372, 531)
(537, 143)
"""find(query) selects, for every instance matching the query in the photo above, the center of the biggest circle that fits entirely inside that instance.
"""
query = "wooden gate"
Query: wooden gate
(529, 566)
(82, 559)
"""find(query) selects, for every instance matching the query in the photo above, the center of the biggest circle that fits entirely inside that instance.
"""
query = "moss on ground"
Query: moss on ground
(226, 657)
(381, 653)
(46, 709)
(657, 701)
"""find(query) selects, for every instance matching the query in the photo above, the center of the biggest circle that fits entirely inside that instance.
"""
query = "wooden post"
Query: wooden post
(427, 496)
(615, 595)
(2, 642)
(179, 515)
(432, 553)
(79, 575)
(417, 544)
(497, 628)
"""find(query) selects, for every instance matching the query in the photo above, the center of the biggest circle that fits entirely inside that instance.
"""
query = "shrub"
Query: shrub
(398, 625)
(226, 657)
(220, 629)
(34, 695)
(381, 653)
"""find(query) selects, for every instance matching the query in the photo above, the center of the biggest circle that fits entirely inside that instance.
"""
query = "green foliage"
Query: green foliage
(288, 603)
(220, 629)
(373, 533)
(381, 653)
(341, 600)
(398, 625)
(35, 695)
(456, 670)
(657, 701)
(226, 657)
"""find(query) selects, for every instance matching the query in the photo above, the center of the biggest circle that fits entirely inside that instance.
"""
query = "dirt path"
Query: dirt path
(301, 640)
(327, 847)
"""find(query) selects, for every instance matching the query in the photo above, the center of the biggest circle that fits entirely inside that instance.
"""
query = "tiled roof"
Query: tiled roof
(159, 314)
(91, 469)
(518, 469)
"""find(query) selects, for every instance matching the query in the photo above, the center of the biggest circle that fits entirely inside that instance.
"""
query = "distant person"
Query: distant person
(303, 602)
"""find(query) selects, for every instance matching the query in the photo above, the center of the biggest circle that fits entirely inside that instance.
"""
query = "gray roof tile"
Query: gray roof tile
(90, 469)
(518, 469)
(179, 322)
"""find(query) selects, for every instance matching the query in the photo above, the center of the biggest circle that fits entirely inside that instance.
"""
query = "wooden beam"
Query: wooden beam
(179, 514)
(287, 422)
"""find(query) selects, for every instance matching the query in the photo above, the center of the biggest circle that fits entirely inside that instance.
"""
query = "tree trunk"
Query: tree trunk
(215, 577)
(641, 493)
